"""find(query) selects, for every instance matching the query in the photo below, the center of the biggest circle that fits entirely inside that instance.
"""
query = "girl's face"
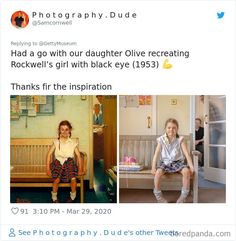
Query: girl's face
(171, 130)
(65, 131)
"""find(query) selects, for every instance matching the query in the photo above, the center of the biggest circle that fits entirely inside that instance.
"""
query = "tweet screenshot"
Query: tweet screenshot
(117, 120)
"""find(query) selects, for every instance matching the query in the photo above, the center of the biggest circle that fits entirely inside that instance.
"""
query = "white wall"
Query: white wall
(133, 121)
(180, 111)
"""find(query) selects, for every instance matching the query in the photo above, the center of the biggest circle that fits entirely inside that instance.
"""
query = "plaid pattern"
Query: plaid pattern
(65, 172)
(175, 166)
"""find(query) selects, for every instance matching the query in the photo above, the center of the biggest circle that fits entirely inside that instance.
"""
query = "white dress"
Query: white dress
(64, 150)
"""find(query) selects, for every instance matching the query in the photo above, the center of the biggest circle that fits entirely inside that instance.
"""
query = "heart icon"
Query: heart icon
(15, 210)
(166, 64)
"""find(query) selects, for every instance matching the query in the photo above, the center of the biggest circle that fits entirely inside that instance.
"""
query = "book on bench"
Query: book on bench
(131, 167)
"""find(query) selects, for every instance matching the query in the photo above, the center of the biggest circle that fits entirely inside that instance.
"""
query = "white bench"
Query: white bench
(143, 148)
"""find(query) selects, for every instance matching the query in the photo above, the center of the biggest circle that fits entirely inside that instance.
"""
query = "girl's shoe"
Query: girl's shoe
(159, 197)
(56, 201)
(69, 200)
(182, 199)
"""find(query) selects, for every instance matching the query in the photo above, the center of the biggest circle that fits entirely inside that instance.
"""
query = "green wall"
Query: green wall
(71, 108)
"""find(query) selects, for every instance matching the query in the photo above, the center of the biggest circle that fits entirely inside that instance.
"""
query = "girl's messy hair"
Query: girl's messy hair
(64, 123)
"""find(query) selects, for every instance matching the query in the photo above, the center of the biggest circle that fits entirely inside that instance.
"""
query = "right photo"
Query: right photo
(172, 149)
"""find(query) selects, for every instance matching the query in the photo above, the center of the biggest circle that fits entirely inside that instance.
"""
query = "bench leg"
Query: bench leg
(81, 189)
(195, 180)
(195, 194)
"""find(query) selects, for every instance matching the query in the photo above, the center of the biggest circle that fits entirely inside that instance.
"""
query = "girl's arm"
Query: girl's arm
(188, 157)
(155, 158)
(79, 162)
(49, 159)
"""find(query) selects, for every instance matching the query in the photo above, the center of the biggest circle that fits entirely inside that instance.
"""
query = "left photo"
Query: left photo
(63, 149)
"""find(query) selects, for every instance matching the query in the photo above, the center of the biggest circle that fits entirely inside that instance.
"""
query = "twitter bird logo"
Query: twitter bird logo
(220, 15)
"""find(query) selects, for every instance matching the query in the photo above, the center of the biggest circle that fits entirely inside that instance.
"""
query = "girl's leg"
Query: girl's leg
(54, 189)
(157, 186)
(157, 178)
(73, 185)
(186, 177)
(186, 185)
(72, 173)
(73, 190)
(55, 184)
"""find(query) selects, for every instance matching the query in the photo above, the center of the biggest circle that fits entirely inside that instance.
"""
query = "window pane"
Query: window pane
(217, 133)
(217, 156)
(217, 109)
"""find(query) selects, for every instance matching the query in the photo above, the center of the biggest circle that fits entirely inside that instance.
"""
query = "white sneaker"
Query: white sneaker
(182, 199)
(159, 197)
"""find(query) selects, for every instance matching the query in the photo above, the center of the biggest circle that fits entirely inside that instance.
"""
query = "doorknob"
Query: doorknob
(206, 119)
(149, 122)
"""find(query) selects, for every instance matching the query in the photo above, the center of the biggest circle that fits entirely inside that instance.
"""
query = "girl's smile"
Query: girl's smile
(171, 130)
(64, 131)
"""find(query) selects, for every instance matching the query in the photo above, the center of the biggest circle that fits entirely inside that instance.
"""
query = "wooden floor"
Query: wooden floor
(146, 196)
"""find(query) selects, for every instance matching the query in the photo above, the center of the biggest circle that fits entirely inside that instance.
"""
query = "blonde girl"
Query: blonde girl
(172, 151)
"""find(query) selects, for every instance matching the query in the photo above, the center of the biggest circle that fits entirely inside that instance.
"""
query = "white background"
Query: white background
(167, 25)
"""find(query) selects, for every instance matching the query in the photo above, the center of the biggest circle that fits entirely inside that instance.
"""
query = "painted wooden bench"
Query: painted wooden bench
(28, 164)
(143, 148)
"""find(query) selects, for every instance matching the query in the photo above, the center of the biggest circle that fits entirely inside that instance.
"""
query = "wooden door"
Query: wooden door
(110, 131)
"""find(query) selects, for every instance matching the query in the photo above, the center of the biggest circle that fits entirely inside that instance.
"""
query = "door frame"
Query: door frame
(90, 156)
(211, 173)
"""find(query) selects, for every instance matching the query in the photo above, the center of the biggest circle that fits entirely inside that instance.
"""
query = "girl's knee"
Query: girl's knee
(159, 173)
(185, 172)
(56, 181)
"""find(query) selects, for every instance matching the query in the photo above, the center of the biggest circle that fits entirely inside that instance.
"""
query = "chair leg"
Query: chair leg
(81, 189)
(195, 194)
(195, 178)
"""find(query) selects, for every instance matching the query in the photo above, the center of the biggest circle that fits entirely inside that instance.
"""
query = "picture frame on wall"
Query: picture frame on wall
(48, 108)
(32, 106)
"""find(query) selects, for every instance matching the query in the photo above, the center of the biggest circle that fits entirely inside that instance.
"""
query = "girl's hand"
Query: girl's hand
(49, 173)
(191, 170)
(153, 171)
